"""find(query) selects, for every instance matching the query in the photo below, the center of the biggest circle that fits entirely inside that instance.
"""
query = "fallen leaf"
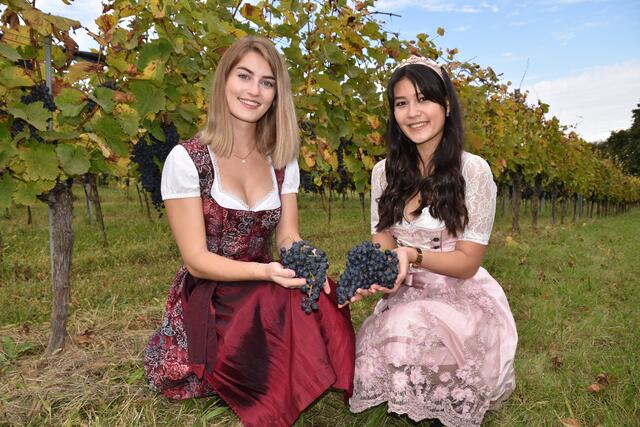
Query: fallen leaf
(594, 388)
(603, 379)
(556, 362)
(571, 263)
(545, 295)
(541, 275)
(84, 338)
(570, 422)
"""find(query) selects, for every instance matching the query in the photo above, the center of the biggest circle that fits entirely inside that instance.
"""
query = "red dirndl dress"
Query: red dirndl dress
(250, 343)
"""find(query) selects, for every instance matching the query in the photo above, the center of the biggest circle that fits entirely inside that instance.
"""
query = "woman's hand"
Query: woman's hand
(284, 277)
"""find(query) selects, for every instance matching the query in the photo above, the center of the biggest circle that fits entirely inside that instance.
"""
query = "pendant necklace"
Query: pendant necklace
(243, 160)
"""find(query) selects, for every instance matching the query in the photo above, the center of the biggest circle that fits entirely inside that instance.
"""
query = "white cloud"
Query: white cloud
(435, 6)
(462, 28)
(597, 101)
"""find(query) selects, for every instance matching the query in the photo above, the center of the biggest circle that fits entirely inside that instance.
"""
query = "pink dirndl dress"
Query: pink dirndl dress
(440, 347)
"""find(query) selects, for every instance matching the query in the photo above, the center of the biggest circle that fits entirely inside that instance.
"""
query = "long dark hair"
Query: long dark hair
(442, 189)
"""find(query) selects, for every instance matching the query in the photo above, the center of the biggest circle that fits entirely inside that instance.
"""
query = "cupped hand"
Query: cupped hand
(284, 277)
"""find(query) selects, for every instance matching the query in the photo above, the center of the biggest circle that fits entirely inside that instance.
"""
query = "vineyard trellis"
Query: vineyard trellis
(147, 83)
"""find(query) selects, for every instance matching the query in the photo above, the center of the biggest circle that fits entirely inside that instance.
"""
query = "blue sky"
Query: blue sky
(584, 55)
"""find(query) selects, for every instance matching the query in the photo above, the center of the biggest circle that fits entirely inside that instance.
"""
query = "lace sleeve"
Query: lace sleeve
(480, 198)
(378, 183)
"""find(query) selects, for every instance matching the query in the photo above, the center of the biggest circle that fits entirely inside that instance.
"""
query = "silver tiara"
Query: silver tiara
(421, 60)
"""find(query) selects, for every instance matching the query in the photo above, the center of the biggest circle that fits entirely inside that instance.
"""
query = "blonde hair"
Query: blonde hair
(277, 131)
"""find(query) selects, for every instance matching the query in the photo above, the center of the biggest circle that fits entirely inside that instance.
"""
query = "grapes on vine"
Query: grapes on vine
(367, 265)
(150, 156)
(311, 264)
(40, 92)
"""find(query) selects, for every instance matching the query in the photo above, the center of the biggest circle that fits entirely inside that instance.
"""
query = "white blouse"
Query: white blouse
(480, 199)
(180, 180)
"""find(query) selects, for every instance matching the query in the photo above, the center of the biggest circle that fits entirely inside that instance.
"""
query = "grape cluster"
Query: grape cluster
(367, 265)
(149, 156)
(40, 92)
(311, 264)
(344, 178)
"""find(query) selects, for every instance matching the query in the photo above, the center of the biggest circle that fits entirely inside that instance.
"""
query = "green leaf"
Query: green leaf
(128, 119)
(9, 52)
(6, 189)
(149, 99)
(329, 85)
(14, 77)
(7, 151)
(110, 130)
(26, 193)
(189, 112)
(104, 98)
(158, 50)
(70, 101)
(40, 161)
(34, 114)
(74, 159)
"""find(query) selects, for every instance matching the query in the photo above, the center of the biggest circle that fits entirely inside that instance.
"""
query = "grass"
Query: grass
(572, 290)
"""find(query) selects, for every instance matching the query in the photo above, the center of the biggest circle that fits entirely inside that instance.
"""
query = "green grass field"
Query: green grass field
(572, 289)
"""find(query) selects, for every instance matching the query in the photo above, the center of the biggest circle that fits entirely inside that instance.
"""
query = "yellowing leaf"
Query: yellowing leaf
(14, 77)
(99, 141)
(373, 121)
(156, 9)
(309, 158)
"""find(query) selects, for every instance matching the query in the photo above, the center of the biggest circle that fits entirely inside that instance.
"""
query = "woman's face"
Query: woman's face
(420, 119)
(250, 88)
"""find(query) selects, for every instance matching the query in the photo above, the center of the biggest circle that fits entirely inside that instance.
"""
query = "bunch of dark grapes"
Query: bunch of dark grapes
(367, 265)
(311, 264)
(306, 181)
(344, 180)
(40, 92)
(149, 156)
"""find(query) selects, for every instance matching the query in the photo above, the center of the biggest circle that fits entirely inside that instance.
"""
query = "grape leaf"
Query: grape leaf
(34, 113)
(14, 77)
(40, 161)
(149, 99)
(9, 52)
(110, 130)
(74, 159)
(26, 192)
(70, 101)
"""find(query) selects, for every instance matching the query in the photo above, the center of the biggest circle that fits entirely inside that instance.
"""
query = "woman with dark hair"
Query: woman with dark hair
(441, 343)
(233, 323)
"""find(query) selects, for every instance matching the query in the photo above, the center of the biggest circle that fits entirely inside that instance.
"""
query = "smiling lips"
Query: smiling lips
(418, 125)
(249, 103)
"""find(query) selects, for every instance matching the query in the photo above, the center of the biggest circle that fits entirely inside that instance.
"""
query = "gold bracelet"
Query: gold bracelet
(418, 260)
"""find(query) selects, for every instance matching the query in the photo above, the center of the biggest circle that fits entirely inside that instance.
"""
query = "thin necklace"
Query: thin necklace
(243, 160)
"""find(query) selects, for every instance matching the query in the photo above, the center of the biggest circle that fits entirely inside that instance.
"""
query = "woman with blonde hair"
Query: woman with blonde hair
(233, 325)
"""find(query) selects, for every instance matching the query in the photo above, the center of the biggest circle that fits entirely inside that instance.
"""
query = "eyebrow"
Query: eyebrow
(252, 73)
